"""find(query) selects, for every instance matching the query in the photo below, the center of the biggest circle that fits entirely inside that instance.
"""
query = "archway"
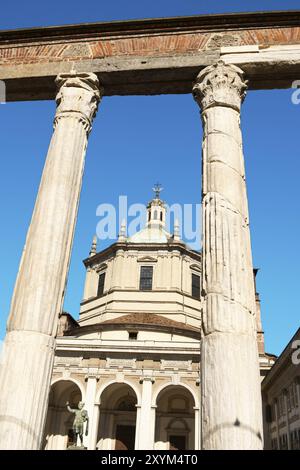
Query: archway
(58, 431)
(117, 425)
(175, 419)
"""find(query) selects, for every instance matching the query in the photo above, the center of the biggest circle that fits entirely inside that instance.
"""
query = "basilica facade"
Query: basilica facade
(133, 356)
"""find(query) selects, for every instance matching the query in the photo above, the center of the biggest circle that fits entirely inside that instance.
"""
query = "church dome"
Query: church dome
(150, 235)
(155, 231)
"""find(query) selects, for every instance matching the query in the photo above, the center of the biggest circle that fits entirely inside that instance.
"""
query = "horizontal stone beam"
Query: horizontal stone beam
(265, 69)
(153, 56)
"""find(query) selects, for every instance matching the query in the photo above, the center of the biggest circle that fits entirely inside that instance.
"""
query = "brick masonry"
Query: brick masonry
(144, 45)
(152, 56)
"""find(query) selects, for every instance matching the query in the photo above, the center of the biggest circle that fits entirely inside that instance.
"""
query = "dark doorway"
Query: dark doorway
(177, 442)
(125, 437)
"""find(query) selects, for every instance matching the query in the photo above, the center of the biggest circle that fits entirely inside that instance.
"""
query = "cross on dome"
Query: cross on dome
(157, 190)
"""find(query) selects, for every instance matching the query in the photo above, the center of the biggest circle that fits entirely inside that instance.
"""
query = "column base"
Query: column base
(231, 398)
(76, 448)
(25, 374)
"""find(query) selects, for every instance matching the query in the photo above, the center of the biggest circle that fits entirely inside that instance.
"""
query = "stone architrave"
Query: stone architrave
(40, 286)
(231, 399)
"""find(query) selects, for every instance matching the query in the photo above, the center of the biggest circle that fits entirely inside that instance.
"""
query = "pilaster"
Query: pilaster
(145, 417)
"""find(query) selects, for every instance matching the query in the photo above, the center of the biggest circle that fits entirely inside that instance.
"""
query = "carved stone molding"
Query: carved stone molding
(100, 267)
(78, 93)
(220, 85)
(176, 365)
(196, 267)
(222, 40)
(147, 379)
(147, 259)
(120, 253)
(120, 363)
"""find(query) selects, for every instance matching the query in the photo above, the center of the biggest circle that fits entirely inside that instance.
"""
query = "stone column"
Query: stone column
(95, 427)
(146, 418)
(197, 444)
(41, 282)
(92, 409)
(231, 399)
(110, 443)
(137, 427)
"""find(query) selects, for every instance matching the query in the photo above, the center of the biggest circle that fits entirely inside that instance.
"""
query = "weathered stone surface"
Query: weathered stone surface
(231, 404)
(150, 56)
(40, 286)
(144, 57)
(152, 37)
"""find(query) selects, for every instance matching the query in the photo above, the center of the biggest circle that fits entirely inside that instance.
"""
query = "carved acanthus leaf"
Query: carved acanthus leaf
(220, 85)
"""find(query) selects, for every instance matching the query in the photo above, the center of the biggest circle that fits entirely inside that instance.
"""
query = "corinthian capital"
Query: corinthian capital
(78, 93)
(220, 85)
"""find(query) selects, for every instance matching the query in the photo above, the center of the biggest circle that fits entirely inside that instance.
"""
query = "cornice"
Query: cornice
(281, 364)
(103, 255)
(193, 332)
(214, 22)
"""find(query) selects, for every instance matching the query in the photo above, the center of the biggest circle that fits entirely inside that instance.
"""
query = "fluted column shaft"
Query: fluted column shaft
(231, 400)
(41, 281)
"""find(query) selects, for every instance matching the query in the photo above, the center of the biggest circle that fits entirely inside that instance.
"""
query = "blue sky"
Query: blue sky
(150, 138)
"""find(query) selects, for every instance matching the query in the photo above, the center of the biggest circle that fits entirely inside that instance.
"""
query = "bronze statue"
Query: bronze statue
(81, 417)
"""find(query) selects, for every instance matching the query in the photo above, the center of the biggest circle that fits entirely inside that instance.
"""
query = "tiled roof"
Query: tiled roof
(149, 319)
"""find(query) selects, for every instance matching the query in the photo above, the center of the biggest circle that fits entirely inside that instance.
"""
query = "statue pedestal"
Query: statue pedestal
(76, 448)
